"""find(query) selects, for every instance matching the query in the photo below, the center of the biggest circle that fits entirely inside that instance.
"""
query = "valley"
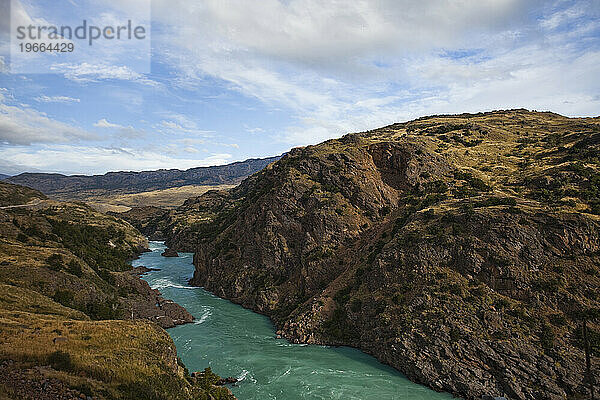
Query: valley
(461, 250)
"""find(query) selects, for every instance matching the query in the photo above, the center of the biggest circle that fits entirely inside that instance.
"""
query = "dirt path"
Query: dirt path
(32, 203)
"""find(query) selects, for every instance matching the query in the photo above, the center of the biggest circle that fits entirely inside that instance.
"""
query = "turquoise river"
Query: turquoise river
(237, 342)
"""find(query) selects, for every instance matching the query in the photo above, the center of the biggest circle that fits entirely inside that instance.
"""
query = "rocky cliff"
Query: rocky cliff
(458, 249)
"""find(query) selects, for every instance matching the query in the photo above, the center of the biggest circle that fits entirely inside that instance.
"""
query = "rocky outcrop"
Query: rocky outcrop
(458, 249)
(177, 228)
(143, 302)
(149, 220)
(169, 253)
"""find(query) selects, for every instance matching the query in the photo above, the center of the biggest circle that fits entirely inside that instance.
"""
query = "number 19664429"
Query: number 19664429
(43, 47)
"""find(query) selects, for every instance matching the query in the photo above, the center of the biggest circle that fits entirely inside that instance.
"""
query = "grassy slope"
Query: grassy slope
(166, 198)
(14, 194)
(58, 267)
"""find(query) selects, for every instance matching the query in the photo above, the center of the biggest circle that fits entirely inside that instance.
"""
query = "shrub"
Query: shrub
(55, 262)
(106, 276)
(474, 182)
(356, 305)
(138, 390)
(558, 319)
(75, 268)
(91, 243)
(60, 361)
(64, 297)
(547, 336)
(100, 310)
(502, 303)
(437, 186)
(338, 326)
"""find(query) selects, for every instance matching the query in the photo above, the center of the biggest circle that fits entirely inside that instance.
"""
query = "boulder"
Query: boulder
(226, 381)
(169, 253)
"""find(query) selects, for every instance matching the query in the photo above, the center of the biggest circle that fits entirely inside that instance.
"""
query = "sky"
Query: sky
(226, 80)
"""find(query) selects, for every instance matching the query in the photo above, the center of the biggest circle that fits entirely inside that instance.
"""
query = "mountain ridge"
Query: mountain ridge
(75, 186)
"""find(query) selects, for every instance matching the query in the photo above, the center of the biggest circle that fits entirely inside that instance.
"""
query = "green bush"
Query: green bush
(138, 390)
(436, 187)
(547, 336)
(61, 361)
(474, 182)
(64, 297)
(101, 310)
(55, 262)
(356, 305)
(338, 326)
(207, 378)
(75, 268)
(91, 243)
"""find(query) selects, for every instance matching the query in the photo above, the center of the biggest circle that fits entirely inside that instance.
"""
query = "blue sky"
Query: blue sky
(233, 79)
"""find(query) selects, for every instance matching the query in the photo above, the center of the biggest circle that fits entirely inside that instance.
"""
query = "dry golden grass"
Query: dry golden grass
(109, 351)
(13, 298)
(165, 198)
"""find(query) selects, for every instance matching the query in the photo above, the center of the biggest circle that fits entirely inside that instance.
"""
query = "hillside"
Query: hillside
(70, 304)
(3, 176)
(165, 198)
(177, 228)
(81, 187)
(462, 250)
(11, 195)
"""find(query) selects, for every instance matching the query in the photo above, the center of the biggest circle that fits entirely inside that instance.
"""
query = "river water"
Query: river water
(237, 342)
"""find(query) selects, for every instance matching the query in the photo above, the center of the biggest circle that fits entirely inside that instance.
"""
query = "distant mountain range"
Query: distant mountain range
(58, 185)
(3, 176)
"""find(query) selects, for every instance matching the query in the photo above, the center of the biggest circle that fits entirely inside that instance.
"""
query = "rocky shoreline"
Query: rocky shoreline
(147, 303)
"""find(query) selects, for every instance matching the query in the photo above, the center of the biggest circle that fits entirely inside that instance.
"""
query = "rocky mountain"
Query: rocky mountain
(70, 303)
(463, 250)
(75, 186)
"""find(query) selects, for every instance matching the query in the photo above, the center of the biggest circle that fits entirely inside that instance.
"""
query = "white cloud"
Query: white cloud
(312, 31)
(349, 66)
(178, 124)
(103, 123)
(97, 160)
(87, 72)
(253, 130)
(121, 130)
(24, 125)
(3, 66)
(56, 99)
(336, 67)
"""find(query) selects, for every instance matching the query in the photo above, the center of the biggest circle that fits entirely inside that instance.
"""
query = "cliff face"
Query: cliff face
(458, 249)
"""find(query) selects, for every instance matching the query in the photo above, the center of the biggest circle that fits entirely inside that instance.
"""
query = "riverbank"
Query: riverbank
(237, 342)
